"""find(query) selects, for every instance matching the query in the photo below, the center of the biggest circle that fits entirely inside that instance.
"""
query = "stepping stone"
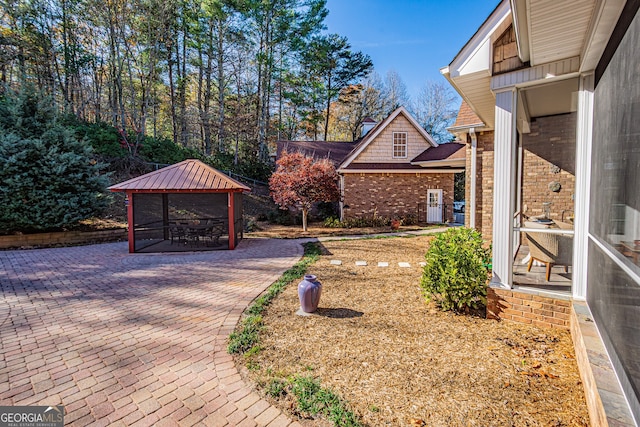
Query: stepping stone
(404, 265)
(361, 263)
(383, 264)
(336, 262)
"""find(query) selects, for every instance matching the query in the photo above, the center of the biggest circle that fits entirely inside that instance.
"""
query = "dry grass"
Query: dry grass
(317, 229)
(398, 361)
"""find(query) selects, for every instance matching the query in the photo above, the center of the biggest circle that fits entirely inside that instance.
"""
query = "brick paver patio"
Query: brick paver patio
(131, 339)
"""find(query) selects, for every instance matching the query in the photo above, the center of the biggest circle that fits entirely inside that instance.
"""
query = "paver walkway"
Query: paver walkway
(131, 339)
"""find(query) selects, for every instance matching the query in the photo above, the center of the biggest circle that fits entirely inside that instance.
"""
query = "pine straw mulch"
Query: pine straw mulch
(316, 229)
(398, 361)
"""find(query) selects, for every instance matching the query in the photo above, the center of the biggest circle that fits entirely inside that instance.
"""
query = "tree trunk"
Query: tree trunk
(326, 121)
(305, 213)
(172, 94)
(221, 86)
(182, 87)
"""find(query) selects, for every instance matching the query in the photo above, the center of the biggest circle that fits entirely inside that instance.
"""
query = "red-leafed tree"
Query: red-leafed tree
(300, 181)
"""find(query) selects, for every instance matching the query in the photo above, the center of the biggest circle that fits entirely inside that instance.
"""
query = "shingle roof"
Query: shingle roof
(448, 151)
(466, 117)
(188, 175)
(334, 151)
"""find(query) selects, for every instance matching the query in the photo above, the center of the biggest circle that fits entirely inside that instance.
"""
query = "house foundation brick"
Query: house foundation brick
(509, 304)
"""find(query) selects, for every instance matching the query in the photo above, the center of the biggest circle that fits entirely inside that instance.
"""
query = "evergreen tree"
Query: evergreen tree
(48, 179)
(330, 57)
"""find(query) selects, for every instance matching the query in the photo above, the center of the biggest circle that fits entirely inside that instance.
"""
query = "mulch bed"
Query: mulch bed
(318, 229)
(399, 361)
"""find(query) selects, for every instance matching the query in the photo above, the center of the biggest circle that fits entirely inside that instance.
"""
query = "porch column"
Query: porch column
(504, 187)
(584, 128)
(471, 209)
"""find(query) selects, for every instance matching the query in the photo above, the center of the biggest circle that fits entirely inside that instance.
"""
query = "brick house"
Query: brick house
(548, 159)
(395, 170)
(550, 123)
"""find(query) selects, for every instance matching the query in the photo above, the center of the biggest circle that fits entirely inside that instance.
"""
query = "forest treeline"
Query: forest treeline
(221, 78)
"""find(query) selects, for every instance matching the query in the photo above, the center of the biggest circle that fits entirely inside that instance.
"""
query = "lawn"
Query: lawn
(317, 229)
(397, 360)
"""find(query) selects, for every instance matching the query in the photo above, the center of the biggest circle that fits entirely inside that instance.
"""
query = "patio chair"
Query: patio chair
(550, 249)
(177, 232)
(215, 230)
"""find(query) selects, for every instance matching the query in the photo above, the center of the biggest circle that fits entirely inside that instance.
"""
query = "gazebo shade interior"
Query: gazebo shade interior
(156, 222)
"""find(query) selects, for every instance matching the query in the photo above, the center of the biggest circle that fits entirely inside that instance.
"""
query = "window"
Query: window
(399, 145)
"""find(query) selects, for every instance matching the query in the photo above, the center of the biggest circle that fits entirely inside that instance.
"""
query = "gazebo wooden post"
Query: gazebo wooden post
(131, 238)
(232, 225)
(165, 216)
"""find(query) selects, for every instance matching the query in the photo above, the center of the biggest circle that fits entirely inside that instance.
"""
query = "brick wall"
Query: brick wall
(549, 156)
(391, 195)
(484, 184)
(528, 308)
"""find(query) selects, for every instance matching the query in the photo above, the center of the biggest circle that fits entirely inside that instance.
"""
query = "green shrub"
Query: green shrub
(455, 275)
(372, 221)
(48, 178)
(409, 219)
(333, 222)
(101, 136)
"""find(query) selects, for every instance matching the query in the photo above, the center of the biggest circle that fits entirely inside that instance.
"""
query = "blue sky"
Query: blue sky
(414, 37)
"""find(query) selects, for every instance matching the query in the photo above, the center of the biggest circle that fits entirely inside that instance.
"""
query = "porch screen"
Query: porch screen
(147, 220)
(182, 221)
(613, 290)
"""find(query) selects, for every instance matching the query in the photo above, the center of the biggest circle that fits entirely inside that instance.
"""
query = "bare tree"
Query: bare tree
(395, 91)
(435, 110)
(357, 102)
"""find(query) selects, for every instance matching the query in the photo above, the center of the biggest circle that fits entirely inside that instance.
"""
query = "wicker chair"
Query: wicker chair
(550, 249)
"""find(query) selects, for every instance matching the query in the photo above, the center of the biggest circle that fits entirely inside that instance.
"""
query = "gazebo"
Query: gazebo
(188, 206)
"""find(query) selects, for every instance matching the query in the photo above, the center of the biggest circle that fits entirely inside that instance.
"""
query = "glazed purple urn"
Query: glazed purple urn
(309, 293)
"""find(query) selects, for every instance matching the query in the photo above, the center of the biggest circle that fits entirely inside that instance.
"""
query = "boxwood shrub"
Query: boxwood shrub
(456, 271)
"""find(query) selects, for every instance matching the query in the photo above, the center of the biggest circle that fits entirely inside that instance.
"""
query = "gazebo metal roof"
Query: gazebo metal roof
(187, 176)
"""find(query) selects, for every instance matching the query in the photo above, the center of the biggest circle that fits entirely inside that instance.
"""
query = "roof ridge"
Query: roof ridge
(191, 171)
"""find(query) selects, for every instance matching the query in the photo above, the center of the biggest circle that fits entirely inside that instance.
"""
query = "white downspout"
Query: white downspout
(474, 177)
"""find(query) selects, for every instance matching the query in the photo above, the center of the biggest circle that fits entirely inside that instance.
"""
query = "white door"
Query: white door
(434, 206)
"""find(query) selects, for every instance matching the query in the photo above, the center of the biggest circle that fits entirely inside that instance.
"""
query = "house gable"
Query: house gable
(380, 149)
(377, 146)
